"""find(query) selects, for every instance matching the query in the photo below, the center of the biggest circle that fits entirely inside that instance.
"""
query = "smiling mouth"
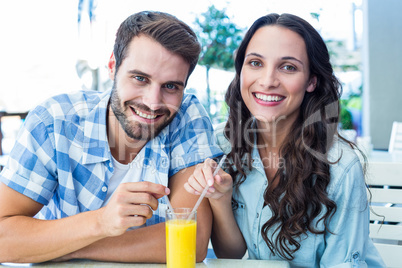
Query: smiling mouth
(144, 115)
(268, 98)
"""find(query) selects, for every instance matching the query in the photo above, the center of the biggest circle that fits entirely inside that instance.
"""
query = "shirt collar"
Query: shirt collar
(255, 154)
(95, 145)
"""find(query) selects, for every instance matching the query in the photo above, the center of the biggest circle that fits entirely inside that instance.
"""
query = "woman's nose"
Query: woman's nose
(269, 78)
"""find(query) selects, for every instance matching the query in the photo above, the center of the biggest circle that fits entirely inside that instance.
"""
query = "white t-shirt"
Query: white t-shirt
(125, 173)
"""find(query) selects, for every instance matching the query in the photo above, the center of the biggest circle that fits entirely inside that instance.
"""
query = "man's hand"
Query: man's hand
(131, 205)
(146, 244)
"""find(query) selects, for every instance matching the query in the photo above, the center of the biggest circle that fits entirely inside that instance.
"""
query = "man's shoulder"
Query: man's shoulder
(68, 105)
(191, 110)
(91, 98)
(221, 139)
(190, 103)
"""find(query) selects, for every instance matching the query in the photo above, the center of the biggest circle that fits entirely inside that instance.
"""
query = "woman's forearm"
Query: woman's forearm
(227, 239)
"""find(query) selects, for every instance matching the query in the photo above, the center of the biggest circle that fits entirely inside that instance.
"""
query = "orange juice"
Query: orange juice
(181, 242)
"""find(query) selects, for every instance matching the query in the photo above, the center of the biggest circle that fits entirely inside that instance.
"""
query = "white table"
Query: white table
(384, 156)
(214, 263)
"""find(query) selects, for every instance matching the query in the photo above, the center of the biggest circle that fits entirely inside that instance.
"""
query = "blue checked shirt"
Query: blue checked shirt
(62, 158)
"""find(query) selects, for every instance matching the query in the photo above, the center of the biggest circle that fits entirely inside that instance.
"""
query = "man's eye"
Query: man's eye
(171, 86)
(139, 78)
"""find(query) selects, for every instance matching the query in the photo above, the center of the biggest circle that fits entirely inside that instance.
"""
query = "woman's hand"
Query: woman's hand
(219, 186)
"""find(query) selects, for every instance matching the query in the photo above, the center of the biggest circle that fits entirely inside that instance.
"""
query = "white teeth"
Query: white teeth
(146, 116)
(268, 97)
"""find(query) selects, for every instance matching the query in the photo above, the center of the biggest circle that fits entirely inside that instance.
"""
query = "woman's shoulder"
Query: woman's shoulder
(345, 166)
(342, 153)
(223, 142)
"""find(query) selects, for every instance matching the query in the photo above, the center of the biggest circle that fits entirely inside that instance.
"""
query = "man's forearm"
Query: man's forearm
(24, 239)
(146, 244)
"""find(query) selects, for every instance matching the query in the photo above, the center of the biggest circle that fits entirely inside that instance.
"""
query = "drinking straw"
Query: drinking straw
(204, 192)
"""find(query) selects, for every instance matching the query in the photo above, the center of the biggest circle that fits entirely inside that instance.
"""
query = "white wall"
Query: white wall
(382, 69)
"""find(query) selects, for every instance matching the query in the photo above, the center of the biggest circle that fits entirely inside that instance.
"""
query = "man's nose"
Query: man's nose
(153, 97)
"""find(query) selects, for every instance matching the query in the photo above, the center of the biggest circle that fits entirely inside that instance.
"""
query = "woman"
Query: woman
(295, 189)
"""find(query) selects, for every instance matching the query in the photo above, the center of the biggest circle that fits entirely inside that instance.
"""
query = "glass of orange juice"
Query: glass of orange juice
(181, 230)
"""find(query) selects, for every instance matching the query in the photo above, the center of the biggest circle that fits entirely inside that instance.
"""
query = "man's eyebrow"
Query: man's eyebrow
(137, 72)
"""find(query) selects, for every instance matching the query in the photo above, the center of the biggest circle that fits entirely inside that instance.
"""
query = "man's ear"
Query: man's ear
(312, 84)
(112, 66)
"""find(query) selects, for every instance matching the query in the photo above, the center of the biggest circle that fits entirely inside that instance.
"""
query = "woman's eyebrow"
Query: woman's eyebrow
(283, 58)
(293, 58)
(254, 54)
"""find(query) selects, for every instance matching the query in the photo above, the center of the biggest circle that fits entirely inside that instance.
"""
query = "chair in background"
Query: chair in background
(395, 142)
(385, 184)
(3, 114)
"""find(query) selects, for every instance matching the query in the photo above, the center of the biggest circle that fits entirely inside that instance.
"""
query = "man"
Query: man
(85, 171)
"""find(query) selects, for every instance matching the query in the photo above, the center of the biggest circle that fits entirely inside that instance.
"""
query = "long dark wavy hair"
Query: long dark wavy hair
(299, 195)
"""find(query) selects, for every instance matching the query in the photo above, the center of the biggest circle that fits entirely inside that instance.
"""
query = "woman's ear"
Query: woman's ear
(312, 84)
(112, 66)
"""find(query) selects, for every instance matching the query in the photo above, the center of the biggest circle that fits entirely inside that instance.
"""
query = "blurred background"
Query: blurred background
(55, 46)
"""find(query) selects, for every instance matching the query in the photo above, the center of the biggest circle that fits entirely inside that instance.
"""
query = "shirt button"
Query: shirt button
(258, 215)
(255, 246)
(104, 189)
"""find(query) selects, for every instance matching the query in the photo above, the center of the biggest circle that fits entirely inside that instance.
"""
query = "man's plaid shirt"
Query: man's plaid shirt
(62, 158)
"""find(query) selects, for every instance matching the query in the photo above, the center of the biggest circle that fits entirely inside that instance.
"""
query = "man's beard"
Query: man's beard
(134, 129)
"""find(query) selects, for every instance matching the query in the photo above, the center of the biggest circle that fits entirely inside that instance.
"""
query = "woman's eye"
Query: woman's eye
(289, 68)
(255, 63)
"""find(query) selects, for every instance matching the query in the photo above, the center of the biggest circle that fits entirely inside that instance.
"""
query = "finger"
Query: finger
(136, 220)
(190, 189)
(198, 175)
(139, 211)
(223, 177)
(133, 220)
(167, 192)
(129, 215)
(195, 183)
(218, 179)
(138, 199)
(223, 183)
(146, 186)
(211, 190)
(208, 169)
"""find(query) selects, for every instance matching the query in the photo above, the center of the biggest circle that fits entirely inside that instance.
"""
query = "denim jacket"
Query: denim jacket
(347, 245)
